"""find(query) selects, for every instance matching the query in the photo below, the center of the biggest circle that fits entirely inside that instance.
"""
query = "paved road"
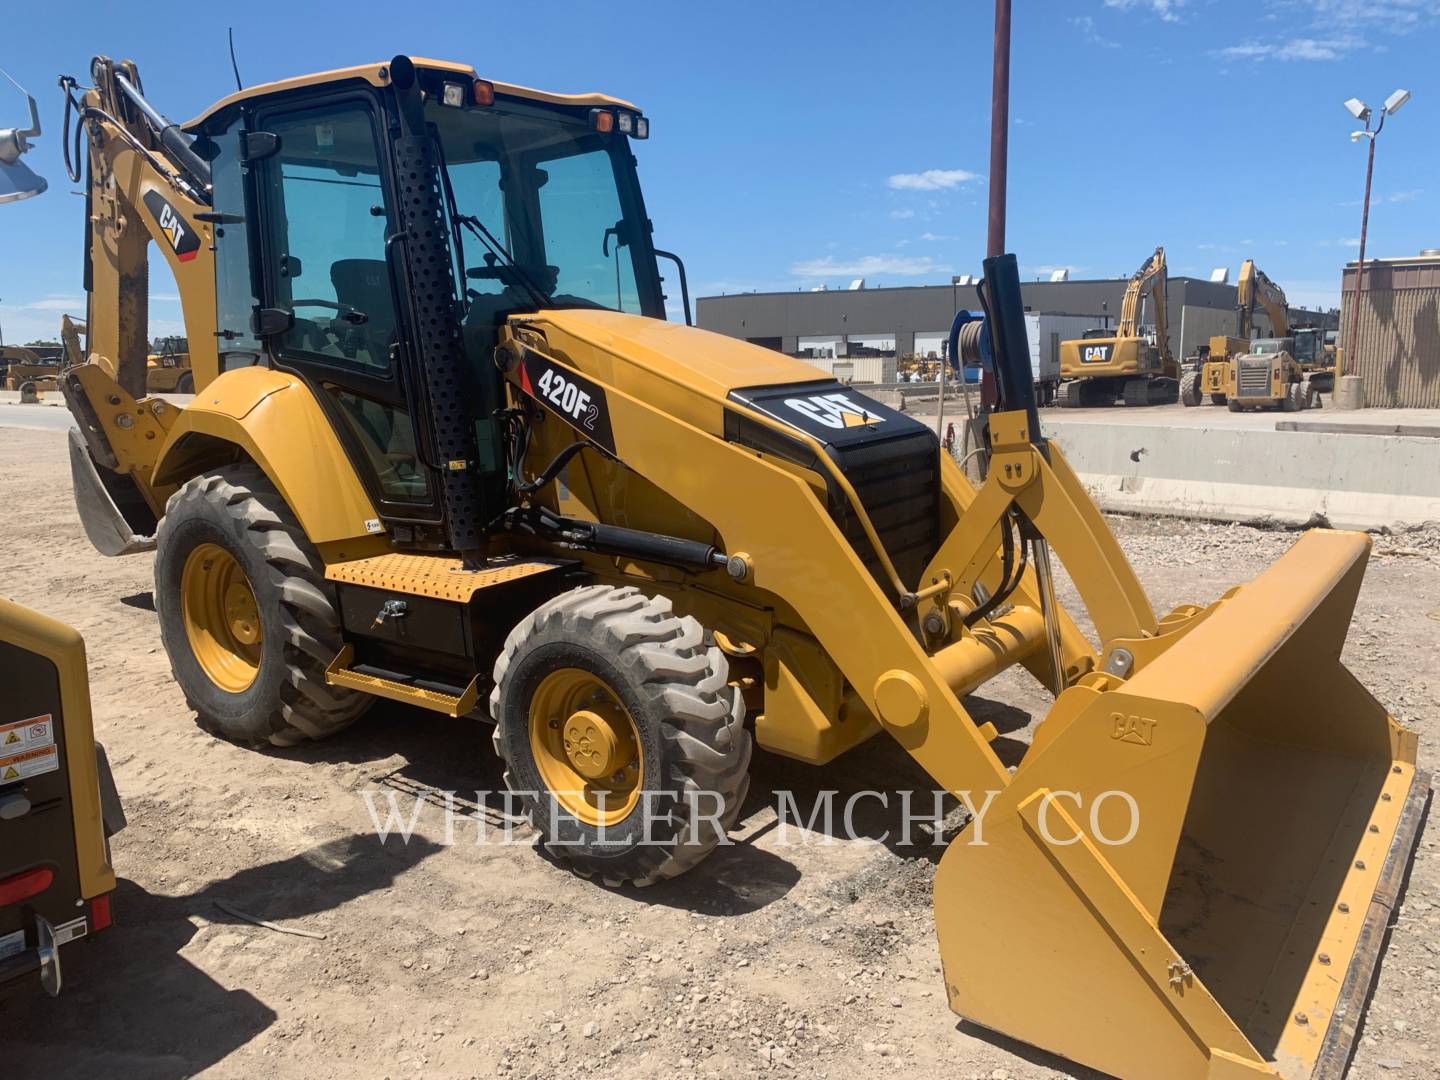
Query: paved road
(43, 417)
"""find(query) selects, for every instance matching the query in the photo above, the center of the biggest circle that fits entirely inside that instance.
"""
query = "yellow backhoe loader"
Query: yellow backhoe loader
(167, 369)
(1105, 366)
(30, 370)
(446, 450)
(1245, 372)
(1315, 353)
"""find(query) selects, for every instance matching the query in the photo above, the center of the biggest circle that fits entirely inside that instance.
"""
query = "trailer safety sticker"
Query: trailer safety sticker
(570, 395)
(26, 734)
(75, 928)
(29, 764)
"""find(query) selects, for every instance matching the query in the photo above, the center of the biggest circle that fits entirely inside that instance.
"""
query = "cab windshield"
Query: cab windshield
(554, 209)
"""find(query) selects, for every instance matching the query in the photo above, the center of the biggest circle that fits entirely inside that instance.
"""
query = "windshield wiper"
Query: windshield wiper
(496, 248)
(486, 237)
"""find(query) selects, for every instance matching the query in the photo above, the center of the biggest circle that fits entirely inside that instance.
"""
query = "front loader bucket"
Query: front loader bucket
(1191, 873)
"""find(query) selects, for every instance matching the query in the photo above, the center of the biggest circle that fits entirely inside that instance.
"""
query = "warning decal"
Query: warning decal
(26, 735)
(23, 766)
(75, 928)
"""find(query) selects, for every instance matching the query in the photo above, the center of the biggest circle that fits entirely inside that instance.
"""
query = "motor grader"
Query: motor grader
(446, 450)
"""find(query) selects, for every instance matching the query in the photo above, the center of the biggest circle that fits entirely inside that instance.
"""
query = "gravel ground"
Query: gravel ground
(810, 959)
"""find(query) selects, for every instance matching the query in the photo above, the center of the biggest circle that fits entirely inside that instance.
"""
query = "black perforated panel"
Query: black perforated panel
(438, 345)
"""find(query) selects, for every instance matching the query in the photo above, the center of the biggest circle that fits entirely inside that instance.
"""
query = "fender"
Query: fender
(276, 421)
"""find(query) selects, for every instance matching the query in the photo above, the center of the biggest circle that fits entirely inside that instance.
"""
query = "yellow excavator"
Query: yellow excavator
(447, 450)
(1123, 364)
(1245, 372)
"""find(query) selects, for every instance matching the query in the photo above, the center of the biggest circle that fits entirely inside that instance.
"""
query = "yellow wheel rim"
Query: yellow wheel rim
(221, 617)
(586, 747)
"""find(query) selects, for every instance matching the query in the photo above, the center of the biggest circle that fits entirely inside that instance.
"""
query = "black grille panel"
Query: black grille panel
(898, 482)
(891, 460)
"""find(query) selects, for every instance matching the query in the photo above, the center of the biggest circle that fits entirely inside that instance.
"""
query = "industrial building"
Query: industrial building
(1397, 350)
(915, 319)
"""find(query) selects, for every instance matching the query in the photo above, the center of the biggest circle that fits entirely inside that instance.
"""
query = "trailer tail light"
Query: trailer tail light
(100, 912)
(484, 92)
(23, 886)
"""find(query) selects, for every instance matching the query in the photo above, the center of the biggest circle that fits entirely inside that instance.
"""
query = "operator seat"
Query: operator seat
(364, 285)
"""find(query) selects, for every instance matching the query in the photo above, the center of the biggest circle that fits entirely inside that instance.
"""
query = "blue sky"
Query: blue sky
(796, 144)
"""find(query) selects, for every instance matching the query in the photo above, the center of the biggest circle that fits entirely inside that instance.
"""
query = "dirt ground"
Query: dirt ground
(816, 959)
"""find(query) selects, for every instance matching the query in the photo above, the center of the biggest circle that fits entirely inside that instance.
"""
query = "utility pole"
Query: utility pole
(999, 156)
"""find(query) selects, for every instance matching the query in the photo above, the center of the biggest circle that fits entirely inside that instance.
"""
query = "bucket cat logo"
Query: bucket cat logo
(832, 410)
(183, 239)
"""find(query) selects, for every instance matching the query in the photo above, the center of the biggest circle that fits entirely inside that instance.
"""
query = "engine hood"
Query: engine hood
(688, 371)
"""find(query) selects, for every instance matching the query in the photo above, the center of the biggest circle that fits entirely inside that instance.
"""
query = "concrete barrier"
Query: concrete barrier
(1256, 476)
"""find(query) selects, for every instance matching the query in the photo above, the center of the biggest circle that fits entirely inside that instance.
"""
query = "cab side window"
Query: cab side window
(330, 222)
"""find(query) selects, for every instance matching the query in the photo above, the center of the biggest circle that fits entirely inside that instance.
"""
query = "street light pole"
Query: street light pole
(1360, 262)
(1360, 111)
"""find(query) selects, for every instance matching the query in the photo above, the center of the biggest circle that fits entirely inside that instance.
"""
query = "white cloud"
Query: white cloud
(1391, 13)
(1165, 10)
(1404, 196)
(869, 265)
(1326, 30)
(901, 215)
(1332, 48)
(1353, 241)
(1046, 269)
(72, 304)
(931, 180)
(1086, 25)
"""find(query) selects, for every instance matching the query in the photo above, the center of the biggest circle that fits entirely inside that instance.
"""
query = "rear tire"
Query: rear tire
(686, 733)
(235, 514)
(185, 384)
(1234, 406)
(1190, 389)
(1217, 399)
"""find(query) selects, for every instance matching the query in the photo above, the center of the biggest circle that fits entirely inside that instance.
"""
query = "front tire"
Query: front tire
(246, 615)
(620, 734)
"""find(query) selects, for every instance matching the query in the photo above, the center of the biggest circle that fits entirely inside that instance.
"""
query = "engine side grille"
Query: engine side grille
(1254, 379)
(898, 482)
(891, 460)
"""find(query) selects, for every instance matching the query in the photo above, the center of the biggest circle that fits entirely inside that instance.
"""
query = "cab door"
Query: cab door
(332, 308)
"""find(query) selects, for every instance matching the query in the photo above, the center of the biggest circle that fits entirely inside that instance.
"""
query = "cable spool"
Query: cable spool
(970, 344)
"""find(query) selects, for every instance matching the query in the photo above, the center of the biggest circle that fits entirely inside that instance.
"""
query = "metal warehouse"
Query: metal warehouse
(914, 319)
(1397, 351)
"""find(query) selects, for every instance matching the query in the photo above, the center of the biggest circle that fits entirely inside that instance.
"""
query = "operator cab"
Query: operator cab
(315, 275)
(1272, 346)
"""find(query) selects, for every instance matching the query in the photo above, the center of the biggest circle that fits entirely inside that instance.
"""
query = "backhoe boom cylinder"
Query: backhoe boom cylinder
(1008, 340)
(176, 143)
